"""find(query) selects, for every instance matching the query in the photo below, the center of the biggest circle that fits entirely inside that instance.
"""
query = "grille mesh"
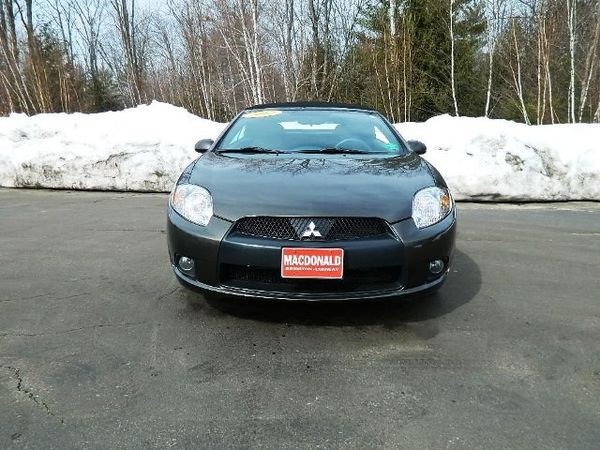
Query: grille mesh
(300, 228)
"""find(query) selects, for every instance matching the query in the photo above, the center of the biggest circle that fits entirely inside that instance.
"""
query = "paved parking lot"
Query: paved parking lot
(100, 347)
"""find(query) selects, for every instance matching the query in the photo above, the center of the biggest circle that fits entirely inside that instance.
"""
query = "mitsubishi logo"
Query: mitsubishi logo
(311, 231)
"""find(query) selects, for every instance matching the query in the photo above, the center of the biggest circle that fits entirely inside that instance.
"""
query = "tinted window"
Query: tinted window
(311, 129)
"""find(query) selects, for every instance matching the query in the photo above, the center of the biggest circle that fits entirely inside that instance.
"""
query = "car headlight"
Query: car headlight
(192, 202)
(431, 205)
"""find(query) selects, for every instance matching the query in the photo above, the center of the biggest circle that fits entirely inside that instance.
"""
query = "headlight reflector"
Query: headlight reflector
(192, 202)
(431, 205)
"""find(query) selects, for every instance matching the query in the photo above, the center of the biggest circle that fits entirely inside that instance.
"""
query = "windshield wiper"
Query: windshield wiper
(336, 151)
(248, 150)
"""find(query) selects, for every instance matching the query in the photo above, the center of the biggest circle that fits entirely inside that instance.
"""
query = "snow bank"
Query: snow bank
(139, 149)
(491, 159)
(145, 149)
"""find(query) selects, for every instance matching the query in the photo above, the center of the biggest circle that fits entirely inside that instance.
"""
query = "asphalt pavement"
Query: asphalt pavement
(101, 348)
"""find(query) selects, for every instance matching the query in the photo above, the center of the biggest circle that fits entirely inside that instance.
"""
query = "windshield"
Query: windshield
(311, 130)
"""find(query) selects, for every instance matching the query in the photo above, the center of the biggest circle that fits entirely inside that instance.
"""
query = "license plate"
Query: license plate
(312, 263)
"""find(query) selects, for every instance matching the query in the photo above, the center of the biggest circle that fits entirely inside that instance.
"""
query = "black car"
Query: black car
(306, 201)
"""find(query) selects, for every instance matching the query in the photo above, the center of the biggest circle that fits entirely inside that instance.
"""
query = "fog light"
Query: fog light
(186, 264)
(436, 266)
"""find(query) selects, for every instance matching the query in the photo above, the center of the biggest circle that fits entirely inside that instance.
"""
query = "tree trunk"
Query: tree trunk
(590, 67)
(517, 77)
(314, 20)
(452, 58)
(571, 11)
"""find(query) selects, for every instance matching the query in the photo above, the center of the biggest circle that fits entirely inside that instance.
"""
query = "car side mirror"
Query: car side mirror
(418, 147)
(203, 145)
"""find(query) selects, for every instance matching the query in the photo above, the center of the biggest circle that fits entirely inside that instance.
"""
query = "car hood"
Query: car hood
(312, 185)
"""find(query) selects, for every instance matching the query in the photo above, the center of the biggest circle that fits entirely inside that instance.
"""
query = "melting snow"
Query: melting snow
(146, 148)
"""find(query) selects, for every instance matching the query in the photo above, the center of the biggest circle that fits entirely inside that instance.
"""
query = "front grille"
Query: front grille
(312, 228)
(356, 280)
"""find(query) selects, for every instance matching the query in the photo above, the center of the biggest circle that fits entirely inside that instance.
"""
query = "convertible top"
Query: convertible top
(324, 105)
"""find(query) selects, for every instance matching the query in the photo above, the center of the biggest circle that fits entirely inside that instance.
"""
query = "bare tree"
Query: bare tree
(242, 38)
(495, 13)
(517, 77)
(124, 15)
(315, 45)
(194, 87)
(13, 81)
(9, 33)
(546, 58)
(590, 64)
(35, 66)
(452, 76)
(90, 16)
(406, 67)
(286, 39)
(572, 14)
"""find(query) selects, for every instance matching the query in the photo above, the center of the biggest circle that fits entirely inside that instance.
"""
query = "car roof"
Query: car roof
(320, 105)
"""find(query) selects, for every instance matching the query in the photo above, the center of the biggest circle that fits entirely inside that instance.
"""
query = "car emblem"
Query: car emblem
(311, 231)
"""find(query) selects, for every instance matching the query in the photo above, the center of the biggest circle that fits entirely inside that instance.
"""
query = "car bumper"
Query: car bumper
(394, 265)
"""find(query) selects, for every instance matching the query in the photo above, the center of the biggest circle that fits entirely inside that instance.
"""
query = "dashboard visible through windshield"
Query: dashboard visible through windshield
(310, 131)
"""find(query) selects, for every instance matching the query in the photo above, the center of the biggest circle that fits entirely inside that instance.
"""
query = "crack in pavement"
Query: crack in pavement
(72, 330)
(50, 295)
(167, 294)
(36, 399)
(5, 300)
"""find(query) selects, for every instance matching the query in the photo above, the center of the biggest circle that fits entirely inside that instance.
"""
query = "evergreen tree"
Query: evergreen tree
(424, 42)
(101, 93)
